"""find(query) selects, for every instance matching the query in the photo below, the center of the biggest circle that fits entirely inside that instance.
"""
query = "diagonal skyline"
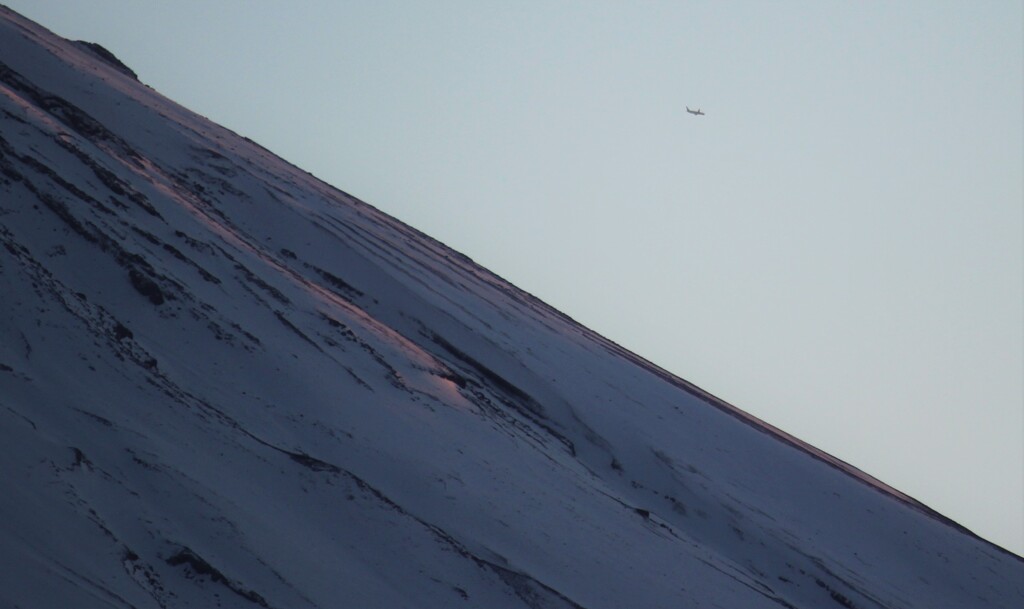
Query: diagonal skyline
(835, 247)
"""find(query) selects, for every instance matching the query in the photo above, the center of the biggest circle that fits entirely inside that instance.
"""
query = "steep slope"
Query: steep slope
(225, 383)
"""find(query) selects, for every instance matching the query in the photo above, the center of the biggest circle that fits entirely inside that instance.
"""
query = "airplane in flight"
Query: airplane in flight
(696, 112)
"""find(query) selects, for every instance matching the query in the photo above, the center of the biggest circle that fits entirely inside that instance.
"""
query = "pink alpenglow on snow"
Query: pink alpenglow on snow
(226, 383)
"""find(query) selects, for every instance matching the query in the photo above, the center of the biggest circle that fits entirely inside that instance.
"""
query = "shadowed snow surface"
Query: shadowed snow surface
(226, 383)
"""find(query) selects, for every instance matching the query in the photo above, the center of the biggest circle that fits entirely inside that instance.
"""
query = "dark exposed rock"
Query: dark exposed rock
(186, 557)
(146, 286)
(106, 56)
(121, 332)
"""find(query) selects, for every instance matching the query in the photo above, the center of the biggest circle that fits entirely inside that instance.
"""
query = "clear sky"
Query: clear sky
(837, 247)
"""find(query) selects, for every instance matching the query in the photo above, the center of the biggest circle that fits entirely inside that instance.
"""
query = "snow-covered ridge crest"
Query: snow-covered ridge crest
(224, 382)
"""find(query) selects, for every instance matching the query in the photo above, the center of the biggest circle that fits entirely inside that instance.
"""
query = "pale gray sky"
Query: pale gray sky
(837, 247)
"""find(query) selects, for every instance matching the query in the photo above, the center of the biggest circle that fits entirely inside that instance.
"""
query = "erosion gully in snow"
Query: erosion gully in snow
(224, 383)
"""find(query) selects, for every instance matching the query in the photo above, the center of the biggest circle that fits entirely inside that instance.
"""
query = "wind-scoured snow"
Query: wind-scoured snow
(226, 383)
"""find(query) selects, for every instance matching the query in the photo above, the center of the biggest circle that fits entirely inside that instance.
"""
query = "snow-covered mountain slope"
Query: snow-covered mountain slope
(225, 383)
